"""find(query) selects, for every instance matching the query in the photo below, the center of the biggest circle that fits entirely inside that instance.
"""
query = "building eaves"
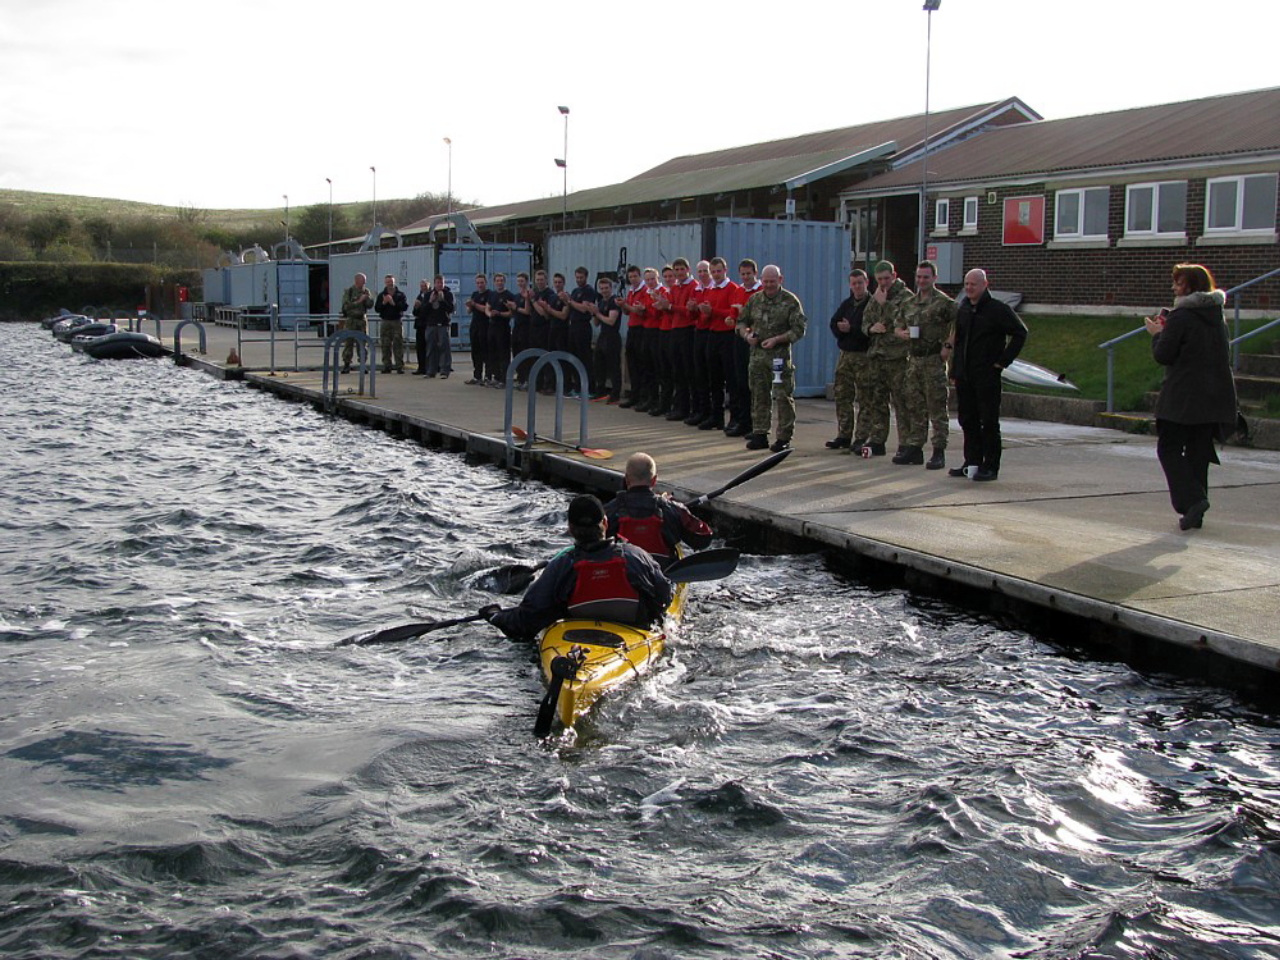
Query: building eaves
(1215, 127)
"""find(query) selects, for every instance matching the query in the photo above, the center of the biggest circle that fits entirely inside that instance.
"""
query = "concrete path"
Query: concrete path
(1079, 520)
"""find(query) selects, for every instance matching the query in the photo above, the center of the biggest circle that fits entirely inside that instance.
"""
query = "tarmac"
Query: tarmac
(1079, 522)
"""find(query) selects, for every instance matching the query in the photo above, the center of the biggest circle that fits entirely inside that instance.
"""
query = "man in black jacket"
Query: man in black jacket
(433, 320)
(391, 306)
(851, 366)
(987, 338)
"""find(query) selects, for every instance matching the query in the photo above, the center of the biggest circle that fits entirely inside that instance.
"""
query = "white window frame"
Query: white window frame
(1079, 235)
(969, 226)
(941, 215)
(1236, 229)
(1155, 231)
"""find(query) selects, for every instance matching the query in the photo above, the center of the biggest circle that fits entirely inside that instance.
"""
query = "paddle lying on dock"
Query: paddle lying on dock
(592, 452)
(695, 568)
(515, 577)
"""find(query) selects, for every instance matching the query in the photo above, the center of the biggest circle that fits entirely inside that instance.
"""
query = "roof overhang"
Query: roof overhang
(840, 166)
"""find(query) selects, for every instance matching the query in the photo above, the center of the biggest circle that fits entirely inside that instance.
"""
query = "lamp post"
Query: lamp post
(329, 249)
(929, 7)
(374, 171)
(563, 164)
(449, 144)
(286, 217)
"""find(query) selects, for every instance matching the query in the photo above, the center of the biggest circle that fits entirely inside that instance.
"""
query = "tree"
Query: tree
(312, 225)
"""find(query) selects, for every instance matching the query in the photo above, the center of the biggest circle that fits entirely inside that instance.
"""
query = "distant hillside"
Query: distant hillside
(84, 208)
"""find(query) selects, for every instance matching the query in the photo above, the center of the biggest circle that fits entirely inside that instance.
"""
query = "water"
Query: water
(189, 768)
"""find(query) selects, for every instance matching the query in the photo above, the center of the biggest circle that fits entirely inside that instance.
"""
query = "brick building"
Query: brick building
(1093, 211)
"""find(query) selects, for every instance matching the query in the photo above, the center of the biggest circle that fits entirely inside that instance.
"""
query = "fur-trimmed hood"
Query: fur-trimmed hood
(1198, 301)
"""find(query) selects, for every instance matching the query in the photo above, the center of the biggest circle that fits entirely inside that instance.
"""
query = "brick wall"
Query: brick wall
(1114, 276)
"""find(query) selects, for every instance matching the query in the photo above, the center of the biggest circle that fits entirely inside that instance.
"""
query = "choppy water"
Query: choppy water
(188, 768)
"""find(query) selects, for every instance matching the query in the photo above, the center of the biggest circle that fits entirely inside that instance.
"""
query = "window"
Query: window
(970, 214)
(1156, 209)
(1241, 205)
(941, 215)
(1081, 214)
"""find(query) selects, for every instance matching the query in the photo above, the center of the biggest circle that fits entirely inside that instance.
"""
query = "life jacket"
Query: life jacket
(601, 591)
(647, 534)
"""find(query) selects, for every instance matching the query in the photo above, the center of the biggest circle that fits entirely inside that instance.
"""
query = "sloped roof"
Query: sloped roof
(1241, 123)
(790, 162)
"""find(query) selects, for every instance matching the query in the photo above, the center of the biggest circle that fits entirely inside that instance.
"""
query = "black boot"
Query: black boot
(938, 460)
(838, 443)
(909, 456)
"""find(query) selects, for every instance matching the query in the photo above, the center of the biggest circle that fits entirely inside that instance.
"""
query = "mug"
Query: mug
(971, 472)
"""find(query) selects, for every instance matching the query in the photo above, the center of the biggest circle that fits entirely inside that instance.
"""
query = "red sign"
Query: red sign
(1023, 220)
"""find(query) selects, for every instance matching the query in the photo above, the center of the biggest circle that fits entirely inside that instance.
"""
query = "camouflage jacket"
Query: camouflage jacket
(887, 346)
(781, 314)
(356, 303)
(934, 315)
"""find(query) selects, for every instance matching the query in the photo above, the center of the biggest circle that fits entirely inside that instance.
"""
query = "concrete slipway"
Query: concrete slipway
(1076, 535)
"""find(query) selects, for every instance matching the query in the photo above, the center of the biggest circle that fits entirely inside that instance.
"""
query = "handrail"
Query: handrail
(1238, 338)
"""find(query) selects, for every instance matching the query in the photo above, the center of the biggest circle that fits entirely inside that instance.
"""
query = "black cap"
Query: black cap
(585, 511)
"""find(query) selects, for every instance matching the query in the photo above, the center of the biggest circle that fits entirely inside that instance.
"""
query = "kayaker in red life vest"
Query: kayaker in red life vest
(598, 578)
(656, 524)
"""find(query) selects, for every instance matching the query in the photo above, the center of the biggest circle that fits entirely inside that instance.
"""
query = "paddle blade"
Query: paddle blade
(547, 708)
(707, 565)
(596, 454)
(406, 632)
(765, 465)
(513, 578)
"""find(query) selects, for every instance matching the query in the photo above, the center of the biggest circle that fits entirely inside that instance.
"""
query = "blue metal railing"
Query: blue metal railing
(1110, 345)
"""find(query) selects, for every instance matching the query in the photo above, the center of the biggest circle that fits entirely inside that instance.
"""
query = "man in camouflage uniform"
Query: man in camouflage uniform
(391, 307)
(356, 301)
(771, 322)
(930, 315)
(885, 322)
(851, 366)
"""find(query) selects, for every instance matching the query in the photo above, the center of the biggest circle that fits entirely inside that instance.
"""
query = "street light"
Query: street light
(563, 164)
(329, 251)
(286, 217)
(449, 143)
(929, 7)
(374, 171)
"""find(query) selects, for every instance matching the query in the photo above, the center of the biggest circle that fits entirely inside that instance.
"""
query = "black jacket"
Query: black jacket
(395, 309)
(1195, 352)
(426, 315)
(987, 333)
(855, 341)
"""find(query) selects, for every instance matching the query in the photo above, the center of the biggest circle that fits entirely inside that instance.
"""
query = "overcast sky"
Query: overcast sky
(236, 104)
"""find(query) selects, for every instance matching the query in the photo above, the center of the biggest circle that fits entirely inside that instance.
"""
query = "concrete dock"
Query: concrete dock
(1078, 525)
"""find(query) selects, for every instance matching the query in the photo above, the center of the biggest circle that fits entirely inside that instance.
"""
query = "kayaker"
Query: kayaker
(598, 578)
(656, 524)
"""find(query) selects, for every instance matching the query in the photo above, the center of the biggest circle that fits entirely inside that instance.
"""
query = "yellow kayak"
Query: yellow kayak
(586, 659)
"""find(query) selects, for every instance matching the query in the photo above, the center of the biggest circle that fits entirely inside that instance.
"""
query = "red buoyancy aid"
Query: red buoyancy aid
(647, 534)
(601, 591)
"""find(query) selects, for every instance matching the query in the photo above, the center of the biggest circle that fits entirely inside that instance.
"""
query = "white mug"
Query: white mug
(970, 472)
(915, 332)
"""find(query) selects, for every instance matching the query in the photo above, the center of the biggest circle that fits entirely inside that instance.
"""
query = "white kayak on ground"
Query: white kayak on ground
(1024, 374)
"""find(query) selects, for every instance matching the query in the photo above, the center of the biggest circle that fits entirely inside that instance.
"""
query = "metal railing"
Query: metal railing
(542, 358)
(1237, 338)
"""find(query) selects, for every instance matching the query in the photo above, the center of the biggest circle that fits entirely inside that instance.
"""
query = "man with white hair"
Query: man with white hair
(987, 338)
(356, 301)
(771, 322)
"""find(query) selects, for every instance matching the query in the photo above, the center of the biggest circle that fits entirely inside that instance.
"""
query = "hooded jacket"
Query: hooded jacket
(1195, 352)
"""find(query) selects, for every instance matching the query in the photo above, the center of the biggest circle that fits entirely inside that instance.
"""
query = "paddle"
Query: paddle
(406, 632)
(707, 565)
(768, 463)
(592, 452)
(515, 577)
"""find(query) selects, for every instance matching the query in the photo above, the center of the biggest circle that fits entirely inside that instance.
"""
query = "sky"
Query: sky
(242, 103)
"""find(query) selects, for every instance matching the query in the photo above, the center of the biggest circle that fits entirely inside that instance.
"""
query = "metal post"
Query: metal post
(374, 171)
(563, 164)
(1111, 379)
(929, 7)
(329, 249)
(449, 143)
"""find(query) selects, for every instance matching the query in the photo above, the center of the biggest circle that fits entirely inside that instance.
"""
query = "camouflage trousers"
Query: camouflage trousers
(852, 393)
(925, 395)
(886, 380)
(391, 343)
(349, 346)
(764, 393)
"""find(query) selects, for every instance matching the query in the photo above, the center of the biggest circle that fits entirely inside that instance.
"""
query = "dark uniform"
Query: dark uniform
(391, 329)
(989, 336)
(851, 373)
(503, 309)
(480, 301)
(580, 336)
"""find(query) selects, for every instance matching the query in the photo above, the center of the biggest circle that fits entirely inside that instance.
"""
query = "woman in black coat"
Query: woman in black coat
(1197, 402)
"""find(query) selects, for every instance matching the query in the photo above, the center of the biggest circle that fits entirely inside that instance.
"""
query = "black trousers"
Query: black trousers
(1185, 451)
(978, 399)
(521, 340)
(580, 347)
(636, 356)
(699, 393)
(678, 356)
(719, 368)
(739, 385)
(479, 337)
(499, 349)
(420, 343)
(608, 364)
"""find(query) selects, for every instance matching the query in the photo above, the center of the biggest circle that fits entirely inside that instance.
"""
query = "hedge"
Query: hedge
(32, 290)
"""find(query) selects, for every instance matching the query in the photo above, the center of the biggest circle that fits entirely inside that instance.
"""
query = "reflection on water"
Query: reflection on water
(816, 769)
